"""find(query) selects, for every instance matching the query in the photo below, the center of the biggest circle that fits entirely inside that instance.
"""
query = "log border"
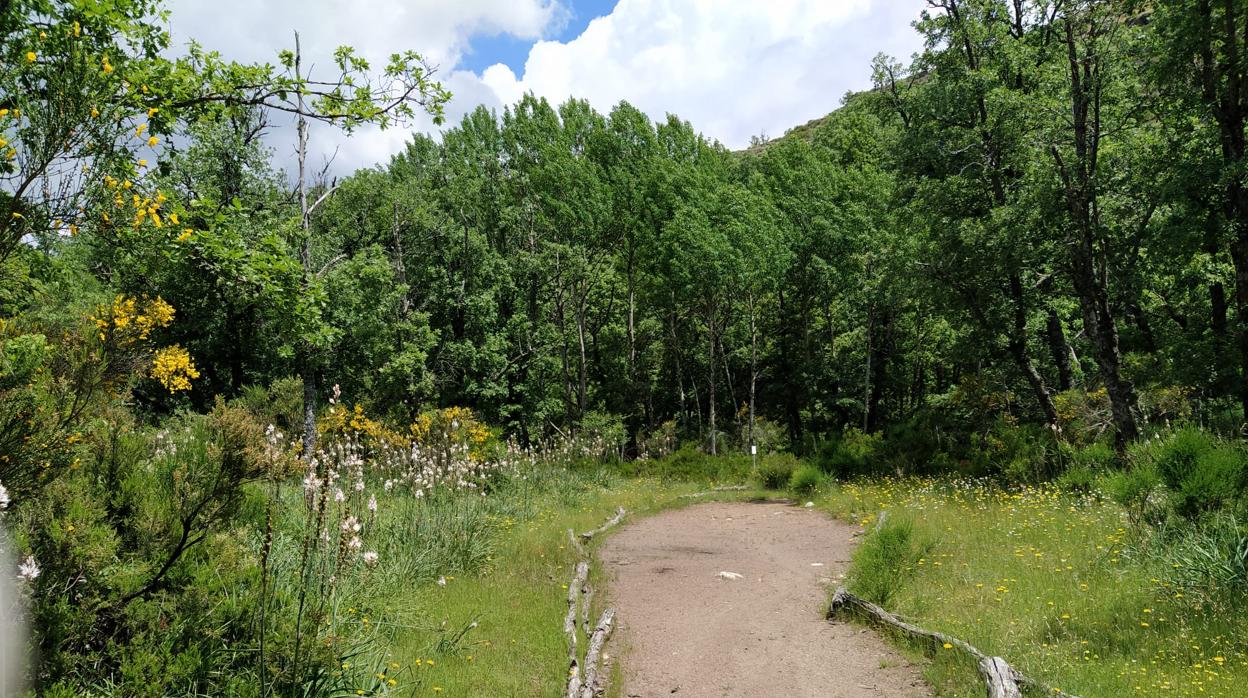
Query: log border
(1001, 679)
(580, 595)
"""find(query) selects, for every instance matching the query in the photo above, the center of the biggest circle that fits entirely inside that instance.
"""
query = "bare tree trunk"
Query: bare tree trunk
(307, 363)
(712, 341)
(753, 365)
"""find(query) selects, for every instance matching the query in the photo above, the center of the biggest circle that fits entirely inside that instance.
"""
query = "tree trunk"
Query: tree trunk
(1060, 350)
(1087, 262)
(1022, 357)
(307, 363)
(712, 341)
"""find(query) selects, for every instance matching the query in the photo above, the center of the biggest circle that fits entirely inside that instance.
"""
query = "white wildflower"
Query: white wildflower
(370, 558)
(29, 569)
(372, 503)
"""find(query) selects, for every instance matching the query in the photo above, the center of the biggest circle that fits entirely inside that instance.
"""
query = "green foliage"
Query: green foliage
(776, 470)
(885, 559)
(852, 453)
(805, 479)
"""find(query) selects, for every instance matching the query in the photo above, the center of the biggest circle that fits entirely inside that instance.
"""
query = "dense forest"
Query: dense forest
(1022, 255)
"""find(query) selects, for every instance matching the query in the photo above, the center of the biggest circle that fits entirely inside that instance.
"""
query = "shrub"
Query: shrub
(805, 479)
(883, 560)
(1201, 472)
(1179, 454)
(1134, 489)
(851, 454)
(1215, 481)
(776, 469)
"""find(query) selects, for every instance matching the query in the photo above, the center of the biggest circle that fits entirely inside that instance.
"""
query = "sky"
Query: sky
(733, 68)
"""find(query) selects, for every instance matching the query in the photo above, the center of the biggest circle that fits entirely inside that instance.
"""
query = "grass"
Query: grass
(1054, 582)
(517, 599)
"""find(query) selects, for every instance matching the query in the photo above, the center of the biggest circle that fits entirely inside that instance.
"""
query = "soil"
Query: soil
(689, 627)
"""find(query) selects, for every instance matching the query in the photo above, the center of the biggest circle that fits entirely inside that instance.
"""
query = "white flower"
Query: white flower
(4, 498)
(370, 558)
(29, 569)
(441, 581)
(339, 496)
(372, 503)
(355, 543)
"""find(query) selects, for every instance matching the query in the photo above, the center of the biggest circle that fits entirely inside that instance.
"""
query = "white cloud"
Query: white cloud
(731, 68)
(734, 68)
(440, 30)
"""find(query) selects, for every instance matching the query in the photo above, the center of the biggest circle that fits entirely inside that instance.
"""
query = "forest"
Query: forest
(231, 394)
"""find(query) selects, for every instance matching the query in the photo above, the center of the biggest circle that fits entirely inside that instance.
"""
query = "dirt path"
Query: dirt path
(688, 631)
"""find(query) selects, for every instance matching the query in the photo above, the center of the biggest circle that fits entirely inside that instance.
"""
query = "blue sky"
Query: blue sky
(487, 49)
(733, 68)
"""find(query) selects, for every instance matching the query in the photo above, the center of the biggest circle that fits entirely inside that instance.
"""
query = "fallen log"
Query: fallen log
(580, 596)
(715, 490)
(593, 657)
(619, 516)
(1003, 680)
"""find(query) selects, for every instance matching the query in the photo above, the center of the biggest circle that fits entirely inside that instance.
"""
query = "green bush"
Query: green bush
(1215, 481)
(883, 559)
(776, 469)
(805, 479)
(1134, 489)
(1178, 456)
(849, 455)
(1201, 472)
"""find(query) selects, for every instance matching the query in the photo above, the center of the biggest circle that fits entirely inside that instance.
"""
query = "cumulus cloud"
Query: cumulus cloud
(441, 31)
(734, 68)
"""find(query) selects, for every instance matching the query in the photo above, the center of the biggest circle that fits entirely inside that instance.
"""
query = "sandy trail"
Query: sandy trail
(687, 631)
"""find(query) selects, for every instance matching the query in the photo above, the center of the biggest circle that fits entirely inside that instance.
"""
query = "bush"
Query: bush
(1085, 466)
(1134, 489)
(1201, 472)
(775, 470)
(850, 455)
(805, 479)
(883, 559)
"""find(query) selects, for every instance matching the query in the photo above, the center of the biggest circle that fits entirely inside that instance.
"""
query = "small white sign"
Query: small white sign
(753, 449)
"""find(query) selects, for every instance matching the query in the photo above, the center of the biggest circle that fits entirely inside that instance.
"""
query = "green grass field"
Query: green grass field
(1053, 582)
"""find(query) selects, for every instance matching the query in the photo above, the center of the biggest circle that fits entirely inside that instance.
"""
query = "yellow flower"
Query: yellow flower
(108, 67)
(31, 57)
(153, 141)
(77, 30)
(152, 112)
(4, 113)
(948, 646)
(174, 368)
(186, 235)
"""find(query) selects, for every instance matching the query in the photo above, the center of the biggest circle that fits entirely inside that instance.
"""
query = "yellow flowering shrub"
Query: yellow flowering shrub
(174, 368)
(129, 320)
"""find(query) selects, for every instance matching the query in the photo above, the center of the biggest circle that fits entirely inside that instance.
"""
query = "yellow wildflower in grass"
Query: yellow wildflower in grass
(31, 57)
(174, 368)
